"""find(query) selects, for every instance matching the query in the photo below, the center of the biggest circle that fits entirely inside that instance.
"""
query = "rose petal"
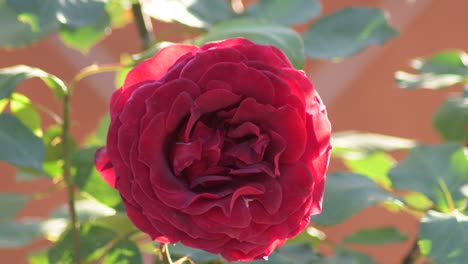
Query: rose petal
(104, 166)
(155, 67)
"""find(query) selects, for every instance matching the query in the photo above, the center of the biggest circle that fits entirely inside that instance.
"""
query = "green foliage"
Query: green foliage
(347, 194)
(438, 172)
(282, 37)
(451, 119)
(20, 146)
(346, 256)
(23, 109)
(124, 251)
(287, 13)
(347, 32)
(376, 236)
(375, 166)
(19, 233)
(10, 204)
(441, 70)
(444, 237)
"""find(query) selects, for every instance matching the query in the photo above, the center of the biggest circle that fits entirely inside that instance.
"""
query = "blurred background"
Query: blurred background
(360, 93)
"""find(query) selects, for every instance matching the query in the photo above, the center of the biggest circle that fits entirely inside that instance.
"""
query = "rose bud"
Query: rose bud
(222, 147)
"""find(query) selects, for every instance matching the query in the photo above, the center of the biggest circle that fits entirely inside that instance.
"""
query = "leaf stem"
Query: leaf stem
(144, 26)
(67, 176)
(165, 254)
(447, 194)
(93, 69)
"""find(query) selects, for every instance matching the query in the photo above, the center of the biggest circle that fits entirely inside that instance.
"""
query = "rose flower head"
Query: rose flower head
(222, 147)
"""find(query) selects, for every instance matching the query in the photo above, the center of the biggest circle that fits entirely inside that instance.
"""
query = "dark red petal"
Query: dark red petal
(214, 100)
(184, 154)
(202, 61)
(265, 53)
(155, 67)
(244, 81)
(104, 166)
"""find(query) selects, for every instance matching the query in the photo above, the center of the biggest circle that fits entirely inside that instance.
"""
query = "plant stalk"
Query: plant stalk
(75, 225)
(165, 254)
(144, 26)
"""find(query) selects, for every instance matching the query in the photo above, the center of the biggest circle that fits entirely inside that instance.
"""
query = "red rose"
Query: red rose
(222, 148)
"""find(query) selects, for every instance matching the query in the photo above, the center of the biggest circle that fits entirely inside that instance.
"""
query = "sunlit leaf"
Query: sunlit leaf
(86, 210)
(285, 12)
(347, 32)
(346, 256)
(19, 146)
(444, 237)
(123, 252)
(347, 194)
(24, 110)
(437, 171)
(426, 80)
(11, 77)
(260, 32)
(375, 166)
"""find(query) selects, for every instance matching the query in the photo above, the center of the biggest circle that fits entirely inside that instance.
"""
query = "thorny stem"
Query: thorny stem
(67, 176)
(143, 23)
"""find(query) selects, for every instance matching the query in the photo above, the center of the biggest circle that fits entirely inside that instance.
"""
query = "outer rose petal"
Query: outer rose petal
(104, 166)
(157, 66)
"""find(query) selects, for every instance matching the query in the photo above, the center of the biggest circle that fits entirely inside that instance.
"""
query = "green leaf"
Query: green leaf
(53, 13)
(193, 13)
(375, 166)
(118, 222)
(119, 12)
(38, 257)
(347, 32)
(11, 77)
(355, 144)
(445, 62)
(18, 234)
(20, 146)
(437, 171)
(23, 109)
(284, 38)
(18, 30)
(418, 201)
(84, 38)
(444, 237)
(93, 238)
(451, 119)
(199, 256)
(285, 12)
(123, 252)
(99, 137)
(346, 256)
(347, 194)
(427, 80)
(376, 236)
(89, 181)
(86, 210)
(3, 103)
(11, 204)
(311, 236)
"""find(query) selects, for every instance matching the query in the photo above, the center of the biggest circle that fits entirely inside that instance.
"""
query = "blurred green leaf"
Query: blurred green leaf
(89, 181)
(375, 166)
(418, 201)
(285, 12)
(199, 256)
(347, 32)
(346, 256)
(20, 146)
(23, 109)
(86, 210)
(11, 204)
(118, 222)
(376, 236)
(38, 257)
(193, 13)
(11, 77)
(284, 38)
(84, 38)
(3, 103)
(119, 12)
(445, 62)
(427, 80)
(451, 119)
(19, 233)
(444, 237)
(437, 171)
(347, 194)
(99, 137)
(93, 238)
(311, 236)
(355, 144)
(123, 252)
(18, 31)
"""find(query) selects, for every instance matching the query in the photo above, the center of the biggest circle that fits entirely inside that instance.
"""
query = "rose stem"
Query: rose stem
(165, 254)
(143, 23)
(68, 176)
